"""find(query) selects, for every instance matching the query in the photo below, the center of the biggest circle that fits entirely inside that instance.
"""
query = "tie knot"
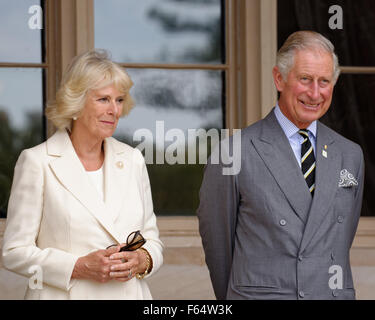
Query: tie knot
(304, 133)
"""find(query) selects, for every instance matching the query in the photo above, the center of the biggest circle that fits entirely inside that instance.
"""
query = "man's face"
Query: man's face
(306, 94)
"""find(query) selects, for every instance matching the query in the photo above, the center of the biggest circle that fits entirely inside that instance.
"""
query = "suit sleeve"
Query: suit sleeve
(25, 211)
(150, 230)
(359, 195)
(217, 213)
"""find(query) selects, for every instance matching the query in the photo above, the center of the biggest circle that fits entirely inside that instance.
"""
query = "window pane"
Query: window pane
(352, 114)
(20, 121)
(160, 31)
(180, 100)
(355, 43)
(19, 43)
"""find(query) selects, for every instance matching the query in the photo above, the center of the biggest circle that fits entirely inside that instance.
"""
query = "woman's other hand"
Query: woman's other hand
(96, 265)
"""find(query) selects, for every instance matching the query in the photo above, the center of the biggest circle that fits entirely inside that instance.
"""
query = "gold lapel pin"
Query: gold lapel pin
(324, 152)
(119, 164)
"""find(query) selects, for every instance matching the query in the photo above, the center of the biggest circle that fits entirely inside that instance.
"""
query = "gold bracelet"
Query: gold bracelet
(149, 264)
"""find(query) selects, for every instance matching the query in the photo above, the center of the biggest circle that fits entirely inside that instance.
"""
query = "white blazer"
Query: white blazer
(55, 215)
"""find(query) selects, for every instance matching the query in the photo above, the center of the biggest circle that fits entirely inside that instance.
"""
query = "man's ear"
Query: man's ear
(278, 79)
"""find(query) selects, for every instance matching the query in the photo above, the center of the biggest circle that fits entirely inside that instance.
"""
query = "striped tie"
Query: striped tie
(308, 161)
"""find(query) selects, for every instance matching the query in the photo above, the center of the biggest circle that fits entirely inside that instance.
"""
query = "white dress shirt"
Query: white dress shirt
(291, 132)
(96, 177)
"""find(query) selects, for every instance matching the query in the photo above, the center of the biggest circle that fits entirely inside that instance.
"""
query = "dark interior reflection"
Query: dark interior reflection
(351, 113)
(354, 44)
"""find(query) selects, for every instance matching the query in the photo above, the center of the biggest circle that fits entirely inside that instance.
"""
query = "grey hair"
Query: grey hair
(304, 40)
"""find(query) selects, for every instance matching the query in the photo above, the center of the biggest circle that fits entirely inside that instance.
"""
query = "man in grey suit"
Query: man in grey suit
(283, 226)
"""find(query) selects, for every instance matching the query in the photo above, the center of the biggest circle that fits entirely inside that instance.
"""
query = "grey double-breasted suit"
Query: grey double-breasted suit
(263, 234)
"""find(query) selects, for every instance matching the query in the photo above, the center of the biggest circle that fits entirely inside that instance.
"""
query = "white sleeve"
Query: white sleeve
(150, 230)
(25, 212)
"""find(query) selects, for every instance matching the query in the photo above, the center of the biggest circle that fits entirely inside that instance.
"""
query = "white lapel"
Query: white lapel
(117, 168)
(70, 172)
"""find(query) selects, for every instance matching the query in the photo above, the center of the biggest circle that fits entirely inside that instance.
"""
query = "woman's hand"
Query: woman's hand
(96, 265)
(128, 264)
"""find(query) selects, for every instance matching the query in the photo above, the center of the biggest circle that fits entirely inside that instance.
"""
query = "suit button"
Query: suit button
(282, 222)
(333, 256)
(301, 294)
(300, 257)
(335, 293)
(340, 219)
(119, 164)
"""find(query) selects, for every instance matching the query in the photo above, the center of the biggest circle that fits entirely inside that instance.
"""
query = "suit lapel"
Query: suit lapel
(70, 172)
(117, 168)
(274, 148)
(326, 182)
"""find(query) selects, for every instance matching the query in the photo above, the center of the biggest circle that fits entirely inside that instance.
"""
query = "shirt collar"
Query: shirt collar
(289, 127)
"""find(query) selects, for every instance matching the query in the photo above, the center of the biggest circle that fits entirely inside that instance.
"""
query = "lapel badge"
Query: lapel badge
(119, 164)
(324, 152)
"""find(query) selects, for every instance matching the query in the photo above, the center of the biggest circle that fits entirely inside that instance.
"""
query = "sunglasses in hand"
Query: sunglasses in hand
(133, 242)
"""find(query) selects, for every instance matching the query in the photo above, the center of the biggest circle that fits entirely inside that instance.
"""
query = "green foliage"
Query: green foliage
(175, 188)
(12, 142)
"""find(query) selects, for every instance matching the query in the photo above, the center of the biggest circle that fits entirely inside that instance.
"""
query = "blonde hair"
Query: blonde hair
(90, 70)
(304, 40)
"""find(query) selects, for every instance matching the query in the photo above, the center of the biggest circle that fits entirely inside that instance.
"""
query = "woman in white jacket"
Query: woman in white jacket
(81, 191)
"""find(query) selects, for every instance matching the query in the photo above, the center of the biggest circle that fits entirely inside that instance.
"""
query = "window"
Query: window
(174, 51)
(351, 113)
(22, 95)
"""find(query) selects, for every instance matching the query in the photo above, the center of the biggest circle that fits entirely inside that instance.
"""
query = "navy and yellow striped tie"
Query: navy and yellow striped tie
(308, 161)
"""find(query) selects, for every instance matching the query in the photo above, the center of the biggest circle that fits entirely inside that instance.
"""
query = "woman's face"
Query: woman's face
(101, 112)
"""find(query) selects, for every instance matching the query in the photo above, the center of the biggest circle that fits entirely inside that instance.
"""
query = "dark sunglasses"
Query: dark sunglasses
(133, 242)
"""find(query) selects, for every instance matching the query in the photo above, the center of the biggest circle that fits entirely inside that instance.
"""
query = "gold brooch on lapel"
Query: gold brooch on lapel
(119, 164)
(324, 151)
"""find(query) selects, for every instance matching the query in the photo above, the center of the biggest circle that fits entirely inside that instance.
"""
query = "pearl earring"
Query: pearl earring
(74, 118)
